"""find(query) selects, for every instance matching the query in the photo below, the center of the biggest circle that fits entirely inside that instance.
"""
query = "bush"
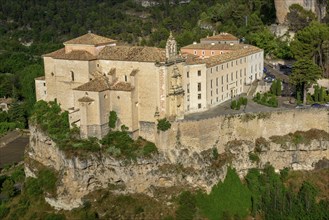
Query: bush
(187, 206)
(149, 148)
(3, 210)
(233, 104)
(163, 124)
(253, 157)
(230, 197)
(113, 119)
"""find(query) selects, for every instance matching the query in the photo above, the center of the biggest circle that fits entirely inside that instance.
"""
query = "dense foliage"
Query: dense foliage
(267, 99)
(50, 118)
(163, 124)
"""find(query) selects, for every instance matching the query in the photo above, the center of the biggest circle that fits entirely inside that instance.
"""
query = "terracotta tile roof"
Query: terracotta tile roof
(86, 99)
(222, 58)
(133, 53)
(215, 46)
(122, 86)
(40, 78)
(96, 85)
(6, 100)
(90, 39)
(73, 55)
(221, 37)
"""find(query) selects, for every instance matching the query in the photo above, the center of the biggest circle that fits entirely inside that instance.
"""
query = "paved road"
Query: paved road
(13, 152)
(252, 107)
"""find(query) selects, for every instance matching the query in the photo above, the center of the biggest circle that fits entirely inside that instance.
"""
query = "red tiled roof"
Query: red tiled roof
(90, 39)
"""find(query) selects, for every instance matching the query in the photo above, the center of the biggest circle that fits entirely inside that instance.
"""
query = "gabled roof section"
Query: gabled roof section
(221, 37)
(73, 55)
(208, 46)
(122, 86)
(223, 58)
(96, 85)
(90, 39)
(133, 53)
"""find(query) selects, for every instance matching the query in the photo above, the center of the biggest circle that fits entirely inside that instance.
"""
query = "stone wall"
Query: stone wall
(199, 135)
(186, 155)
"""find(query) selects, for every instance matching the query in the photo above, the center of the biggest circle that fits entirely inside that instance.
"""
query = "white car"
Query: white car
(327, 105)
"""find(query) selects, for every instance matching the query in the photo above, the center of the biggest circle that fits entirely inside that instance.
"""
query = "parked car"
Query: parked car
(327, 105)
(269, 79)
(316, 105)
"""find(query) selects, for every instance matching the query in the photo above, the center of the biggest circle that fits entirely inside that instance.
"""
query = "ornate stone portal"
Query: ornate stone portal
(176, 93)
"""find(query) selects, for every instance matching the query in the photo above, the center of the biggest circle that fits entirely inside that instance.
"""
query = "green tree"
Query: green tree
(27, 76)
(304, 74)
(309, 43)
(230, 197)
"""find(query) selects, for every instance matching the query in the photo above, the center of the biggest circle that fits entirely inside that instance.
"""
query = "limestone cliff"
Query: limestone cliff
(282, 8)
(179, 164)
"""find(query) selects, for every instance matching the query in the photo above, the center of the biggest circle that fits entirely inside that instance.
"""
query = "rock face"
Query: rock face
(180, 165)
(282, 8)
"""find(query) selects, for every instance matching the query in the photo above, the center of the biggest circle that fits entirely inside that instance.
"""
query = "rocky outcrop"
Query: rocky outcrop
(178, 166)
(282, 8)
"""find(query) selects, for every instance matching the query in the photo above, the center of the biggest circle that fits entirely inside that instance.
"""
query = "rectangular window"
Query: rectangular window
(211, 84)
(188, 74)
(188, 107)
(245, 71)
(211, 101)
(222, 88)
(222, 79)
(211, 93)
(227, 78)
(240, 61)
(216, 91)
(236, 62)
(231, 76)
(217, 99)
(188, 98)
(188, 88)
(199, 105)
(199, 72)
(203, 52)
(126, 78)
(199, 96)
(222, 67)
(217, 68)
(199, 87)
(195, 52)
(226, 87)
(210, 70)
(227, 65)
(216, 81)
(232, 63)
(241, 73)
(236, 74)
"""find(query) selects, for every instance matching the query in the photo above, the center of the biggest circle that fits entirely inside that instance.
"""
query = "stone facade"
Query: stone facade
(91, 76)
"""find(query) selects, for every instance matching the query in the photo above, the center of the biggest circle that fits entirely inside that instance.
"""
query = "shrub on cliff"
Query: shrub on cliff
(163, 124)
(113, 119)
(51, 119)
(228, 198)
